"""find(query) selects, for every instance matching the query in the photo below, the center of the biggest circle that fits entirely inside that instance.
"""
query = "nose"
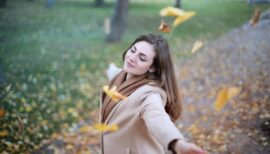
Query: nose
(133, 58)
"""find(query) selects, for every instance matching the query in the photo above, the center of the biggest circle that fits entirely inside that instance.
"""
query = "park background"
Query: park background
(53, 57)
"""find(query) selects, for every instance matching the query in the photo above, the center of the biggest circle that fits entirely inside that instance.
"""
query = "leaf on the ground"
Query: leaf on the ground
(8, 88)
(193, 129)
(21, 125)
(69, 147)
(2, 112)
(28, 108)
(191, 108)
(233, 91)
(3, 133)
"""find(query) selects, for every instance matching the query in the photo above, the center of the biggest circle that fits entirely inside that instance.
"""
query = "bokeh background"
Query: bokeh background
(53, 54)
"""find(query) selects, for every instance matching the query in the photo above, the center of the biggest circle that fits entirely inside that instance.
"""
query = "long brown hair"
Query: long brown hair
(164, 73)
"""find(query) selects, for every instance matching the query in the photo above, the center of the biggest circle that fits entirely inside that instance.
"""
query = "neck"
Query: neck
(129, 76)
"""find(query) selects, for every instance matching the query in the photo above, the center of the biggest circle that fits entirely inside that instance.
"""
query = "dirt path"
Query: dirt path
(240, 58)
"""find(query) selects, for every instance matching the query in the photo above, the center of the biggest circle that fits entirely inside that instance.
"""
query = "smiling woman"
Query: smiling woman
(139, 58)
(152, 103)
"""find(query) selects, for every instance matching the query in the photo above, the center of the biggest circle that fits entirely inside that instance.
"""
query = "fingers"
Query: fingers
(197, 150)
(188, 148)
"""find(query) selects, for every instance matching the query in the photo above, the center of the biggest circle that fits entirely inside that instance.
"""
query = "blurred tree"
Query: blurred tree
(49, 3)
(99, 2)
(178, 3)
(3, 3)
(118, 21)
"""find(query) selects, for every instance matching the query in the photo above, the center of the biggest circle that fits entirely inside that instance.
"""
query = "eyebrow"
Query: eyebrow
(135, 47)
(140, 53)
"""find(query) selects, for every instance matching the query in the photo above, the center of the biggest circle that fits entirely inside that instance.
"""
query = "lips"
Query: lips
(130, 65)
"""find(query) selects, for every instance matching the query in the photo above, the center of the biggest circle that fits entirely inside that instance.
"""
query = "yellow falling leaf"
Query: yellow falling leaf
(86, 129)
(224, 96)
(233, 91)
(171, 11)
(197, 45)
(221, 99)
(104, 127)
(113, 94)
(164, 27)
(180, 19)
(114, 128)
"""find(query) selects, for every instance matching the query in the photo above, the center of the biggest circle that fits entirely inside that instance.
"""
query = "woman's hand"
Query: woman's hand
(183, 147)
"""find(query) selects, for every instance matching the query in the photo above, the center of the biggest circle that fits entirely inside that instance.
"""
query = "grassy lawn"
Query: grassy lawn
(54, 58)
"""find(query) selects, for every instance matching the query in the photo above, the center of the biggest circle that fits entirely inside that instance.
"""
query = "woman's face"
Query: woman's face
(139, 58)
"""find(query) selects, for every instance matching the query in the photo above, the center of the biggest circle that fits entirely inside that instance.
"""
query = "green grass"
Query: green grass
(54, 58)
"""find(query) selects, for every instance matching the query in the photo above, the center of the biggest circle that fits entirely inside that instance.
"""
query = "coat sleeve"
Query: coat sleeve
(158, 121)
(112, 71)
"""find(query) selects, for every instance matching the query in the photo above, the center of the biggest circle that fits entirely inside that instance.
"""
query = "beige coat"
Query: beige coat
(144, 125)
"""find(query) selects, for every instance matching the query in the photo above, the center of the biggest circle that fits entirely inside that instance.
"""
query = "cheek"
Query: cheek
(127, 56)
(144, 67)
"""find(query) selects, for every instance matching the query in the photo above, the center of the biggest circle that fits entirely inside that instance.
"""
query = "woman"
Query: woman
(146, 117)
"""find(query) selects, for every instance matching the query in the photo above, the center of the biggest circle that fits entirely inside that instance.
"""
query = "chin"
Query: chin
(128, 70)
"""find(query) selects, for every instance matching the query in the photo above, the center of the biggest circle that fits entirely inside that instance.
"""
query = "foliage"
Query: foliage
(53, 60)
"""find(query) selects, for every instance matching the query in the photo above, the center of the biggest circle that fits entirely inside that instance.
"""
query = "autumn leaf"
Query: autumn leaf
(233, 91)
(224, 96)
(2, 112)
(164, 27)
(86, 129)
(8, 88)
(197, 45)
(193, 129)
(171, 11)
(180, 19)
(21, 125)
(113, 94)
(3, 133)
(256, 17)
(103, 127)
(69, 147)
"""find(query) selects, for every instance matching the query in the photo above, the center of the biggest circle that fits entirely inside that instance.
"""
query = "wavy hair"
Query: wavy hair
(164, 74)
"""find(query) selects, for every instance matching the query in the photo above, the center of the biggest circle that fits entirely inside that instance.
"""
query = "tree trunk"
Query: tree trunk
(118, 21)
(3, 3)
(178, 3)
(99, 3)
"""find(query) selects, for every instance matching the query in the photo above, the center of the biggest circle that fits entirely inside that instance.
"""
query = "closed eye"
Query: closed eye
(142, 57)
(133, 49)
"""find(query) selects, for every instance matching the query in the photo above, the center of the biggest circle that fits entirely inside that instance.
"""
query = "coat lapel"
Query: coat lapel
(113, 111)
